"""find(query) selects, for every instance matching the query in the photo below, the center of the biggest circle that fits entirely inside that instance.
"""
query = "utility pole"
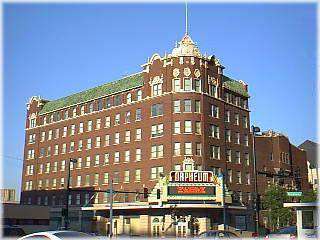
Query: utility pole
(254, 131)
(111, 210)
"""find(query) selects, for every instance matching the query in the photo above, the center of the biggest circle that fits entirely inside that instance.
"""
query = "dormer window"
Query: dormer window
(129, 98)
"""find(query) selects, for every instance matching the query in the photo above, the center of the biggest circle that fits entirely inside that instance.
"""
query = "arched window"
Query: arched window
(129, 98)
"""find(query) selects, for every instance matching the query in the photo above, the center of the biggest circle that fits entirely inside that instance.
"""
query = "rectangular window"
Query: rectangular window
(229, 155)
(98, 123)
(214, 111)
(50, 135)
(117, 119)
(157, 130)
(177, 85)
(138, 175)
(138, 134)
(81, 127)
(128, 117)
(238, 177)
(56, 135)
(88, 161)
(176, 106)
(156, 110)
(246, 140)
(237, 138)
(157, 151)
(96, 179)
(198, 128)
(106, 158)
(138, 115)
(177, 149)
(188, 148)
(127, 136)
(78, 181)
(55, 167)
(56, 149)
(238, 158)
(127, 156)
(155, 172)
(117, 138)
(245, 122)
(236, 119)
(176, 127)
(87, 180)
(89, 127)
(247, 159)
(98, 142)
(230, 175)
(73, 129)
(187, 105)
(106, 178)
(97, 160)
(197, 106)
(156, 89)
(215, 131)
(89, 143)
(108, 122)
(138, 154)
(79, 163)
(126, 176)
(71, 146)
(107, 140)
(187, 84)
(116, 177)
(65, 130)
(213, 90)
(198, 149)
(215, 152)
(227, 116)
(248, 180)
(228, 135)
(197, 85)
(43, 136)
(116, 157)
(188, 126)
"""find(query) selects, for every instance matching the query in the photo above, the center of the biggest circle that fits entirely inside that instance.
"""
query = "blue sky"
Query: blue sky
(54, 50)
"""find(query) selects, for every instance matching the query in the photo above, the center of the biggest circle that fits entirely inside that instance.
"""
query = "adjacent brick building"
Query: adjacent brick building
(276, 156)
(133, 129)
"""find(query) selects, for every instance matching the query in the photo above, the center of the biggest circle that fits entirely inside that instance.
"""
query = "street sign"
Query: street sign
(294, 194)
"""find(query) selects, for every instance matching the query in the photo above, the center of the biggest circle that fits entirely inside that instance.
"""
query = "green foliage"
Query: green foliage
(278, 216)
(309, 196)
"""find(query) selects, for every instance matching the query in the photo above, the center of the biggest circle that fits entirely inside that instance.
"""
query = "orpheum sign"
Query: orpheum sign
(191, 176)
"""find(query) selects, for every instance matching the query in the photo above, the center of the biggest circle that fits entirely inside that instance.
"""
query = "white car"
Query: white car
(56, 235)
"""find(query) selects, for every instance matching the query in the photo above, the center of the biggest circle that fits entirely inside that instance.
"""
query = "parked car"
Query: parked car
(284, 233)
(13, 231)
(56, 235)
(218, 234)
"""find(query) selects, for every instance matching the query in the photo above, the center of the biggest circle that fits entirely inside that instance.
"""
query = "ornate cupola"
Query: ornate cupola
(186, 47)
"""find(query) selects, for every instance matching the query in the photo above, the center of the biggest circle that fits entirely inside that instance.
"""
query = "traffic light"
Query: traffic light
(145, 193)
(158, 194)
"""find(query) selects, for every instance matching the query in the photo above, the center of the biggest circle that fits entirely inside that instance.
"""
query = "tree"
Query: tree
(278, 216)
(309, 196)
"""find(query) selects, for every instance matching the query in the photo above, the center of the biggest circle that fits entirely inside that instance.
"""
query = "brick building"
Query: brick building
(134, 129)
(276, 155)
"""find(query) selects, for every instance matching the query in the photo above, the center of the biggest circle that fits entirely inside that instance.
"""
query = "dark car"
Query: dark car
(12, 231)
(217, 234)
(284, 233)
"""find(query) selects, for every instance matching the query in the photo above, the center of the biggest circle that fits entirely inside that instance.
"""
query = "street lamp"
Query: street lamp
(255, 130)
(66, 213)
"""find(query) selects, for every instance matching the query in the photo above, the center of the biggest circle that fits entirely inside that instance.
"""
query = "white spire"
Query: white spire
(186, 16)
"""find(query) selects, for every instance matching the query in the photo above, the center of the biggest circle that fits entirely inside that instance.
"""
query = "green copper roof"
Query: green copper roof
(126, 83)
(234, 86)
